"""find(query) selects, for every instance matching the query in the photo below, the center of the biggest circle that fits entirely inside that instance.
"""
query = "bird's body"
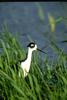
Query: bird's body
(25, 65)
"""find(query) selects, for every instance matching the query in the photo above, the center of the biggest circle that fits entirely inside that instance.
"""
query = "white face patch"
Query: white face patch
(32, 45)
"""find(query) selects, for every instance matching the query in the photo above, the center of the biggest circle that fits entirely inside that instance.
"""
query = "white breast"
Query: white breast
(26, 67)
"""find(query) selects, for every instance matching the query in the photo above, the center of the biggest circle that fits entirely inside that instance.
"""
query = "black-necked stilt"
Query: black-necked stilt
(25, 65)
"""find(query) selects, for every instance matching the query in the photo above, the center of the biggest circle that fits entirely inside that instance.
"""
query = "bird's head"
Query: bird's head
(32, 46)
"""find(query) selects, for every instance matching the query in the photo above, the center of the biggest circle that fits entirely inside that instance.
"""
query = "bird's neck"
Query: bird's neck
(29, 56)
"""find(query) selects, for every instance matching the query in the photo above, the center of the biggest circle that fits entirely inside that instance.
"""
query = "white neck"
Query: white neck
(29, 56)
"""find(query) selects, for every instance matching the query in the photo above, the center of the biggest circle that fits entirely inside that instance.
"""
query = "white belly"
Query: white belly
(26, 67)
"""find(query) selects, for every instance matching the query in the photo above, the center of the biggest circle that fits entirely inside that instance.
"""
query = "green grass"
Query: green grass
(44, 81)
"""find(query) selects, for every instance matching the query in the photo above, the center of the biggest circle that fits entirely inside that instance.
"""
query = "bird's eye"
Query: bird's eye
(32, 45)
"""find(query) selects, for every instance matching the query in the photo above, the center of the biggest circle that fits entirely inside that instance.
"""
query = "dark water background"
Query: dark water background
(24, 18)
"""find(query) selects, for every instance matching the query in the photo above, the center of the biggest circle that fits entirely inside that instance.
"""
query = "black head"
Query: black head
(31, 45)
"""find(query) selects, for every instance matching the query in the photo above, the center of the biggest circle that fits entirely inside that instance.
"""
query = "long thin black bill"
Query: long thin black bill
(41, 51)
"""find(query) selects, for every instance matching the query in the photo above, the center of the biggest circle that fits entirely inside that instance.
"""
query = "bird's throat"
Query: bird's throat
(29, 55)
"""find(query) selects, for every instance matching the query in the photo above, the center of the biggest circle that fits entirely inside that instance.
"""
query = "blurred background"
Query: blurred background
(41, 22)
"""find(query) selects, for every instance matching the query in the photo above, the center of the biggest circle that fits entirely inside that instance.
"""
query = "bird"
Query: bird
(25, 64)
